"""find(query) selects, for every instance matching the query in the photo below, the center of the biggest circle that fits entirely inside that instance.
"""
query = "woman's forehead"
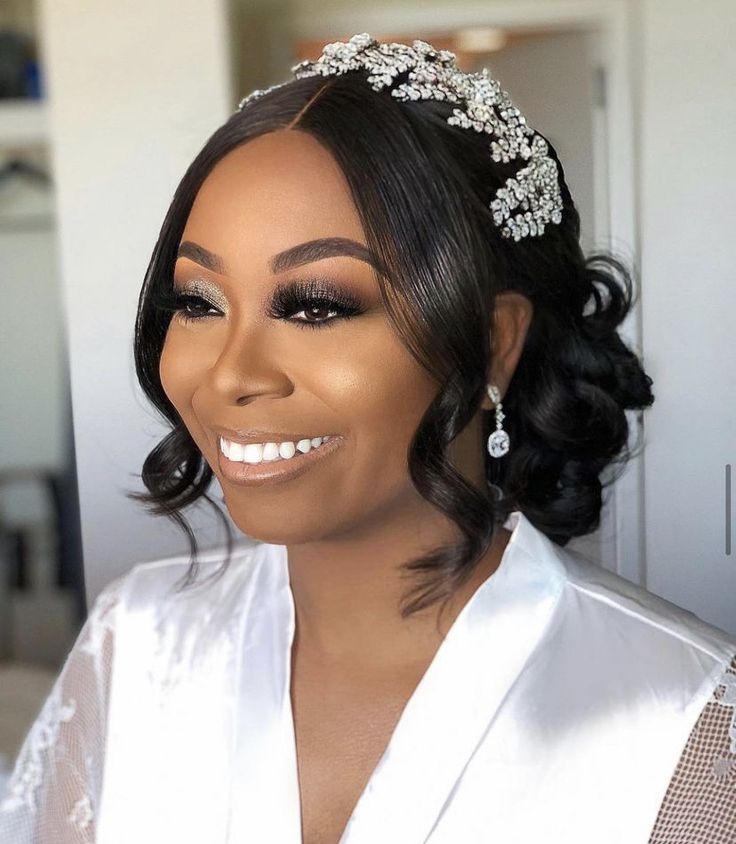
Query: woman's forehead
(275, 173)
(277, 190)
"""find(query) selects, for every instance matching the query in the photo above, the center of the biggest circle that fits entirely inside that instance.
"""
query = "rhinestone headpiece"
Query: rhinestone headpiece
(484, 107)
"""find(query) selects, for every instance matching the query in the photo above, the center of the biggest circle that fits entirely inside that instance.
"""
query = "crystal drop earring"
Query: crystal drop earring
(498, 442)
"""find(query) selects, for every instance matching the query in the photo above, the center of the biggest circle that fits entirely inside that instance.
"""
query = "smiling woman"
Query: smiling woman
(399, 649)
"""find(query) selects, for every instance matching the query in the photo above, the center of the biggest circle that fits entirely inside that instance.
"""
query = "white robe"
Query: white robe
(555, 710)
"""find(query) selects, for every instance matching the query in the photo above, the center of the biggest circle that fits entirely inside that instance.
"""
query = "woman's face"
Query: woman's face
(304, 369)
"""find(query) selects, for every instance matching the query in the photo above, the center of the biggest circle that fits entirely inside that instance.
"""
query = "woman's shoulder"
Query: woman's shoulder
(670, 671)
(156, 623)
(169, 588)
(631, 608)
(609, 611)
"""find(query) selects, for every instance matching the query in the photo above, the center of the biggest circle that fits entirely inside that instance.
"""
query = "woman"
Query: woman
(368, 316)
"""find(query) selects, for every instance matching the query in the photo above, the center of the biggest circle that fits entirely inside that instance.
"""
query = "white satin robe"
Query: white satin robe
(555, 710)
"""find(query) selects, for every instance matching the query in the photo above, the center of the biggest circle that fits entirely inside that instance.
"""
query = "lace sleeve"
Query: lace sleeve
(699, 806)
(54, 790)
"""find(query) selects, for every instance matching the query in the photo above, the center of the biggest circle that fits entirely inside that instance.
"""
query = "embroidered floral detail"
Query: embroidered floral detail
(28, 775)
(81, 814)
(99, 621)
(728, 698)
(722, 766)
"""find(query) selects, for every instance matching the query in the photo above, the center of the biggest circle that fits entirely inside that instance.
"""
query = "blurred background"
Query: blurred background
(102, 107)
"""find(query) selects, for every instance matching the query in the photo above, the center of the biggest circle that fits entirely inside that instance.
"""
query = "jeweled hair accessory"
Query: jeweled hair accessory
(434, 75)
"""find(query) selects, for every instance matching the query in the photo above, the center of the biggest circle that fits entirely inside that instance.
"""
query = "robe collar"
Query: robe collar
(444, 720)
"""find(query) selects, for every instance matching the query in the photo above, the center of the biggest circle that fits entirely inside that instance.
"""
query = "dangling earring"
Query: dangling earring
(498, 442)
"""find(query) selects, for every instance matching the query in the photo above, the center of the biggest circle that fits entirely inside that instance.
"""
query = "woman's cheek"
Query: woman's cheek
(175, 371)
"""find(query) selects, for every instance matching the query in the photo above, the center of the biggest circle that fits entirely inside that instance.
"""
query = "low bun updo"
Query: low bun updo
(565, 409)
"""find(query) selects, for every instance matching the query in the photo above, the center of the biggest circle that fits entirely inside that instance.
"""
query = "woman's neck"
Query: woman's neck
(347, 590)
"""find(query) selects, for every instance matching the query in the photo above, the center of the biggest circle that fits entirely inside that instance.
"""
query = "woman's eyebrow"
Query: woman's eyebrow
(294, 256)
(325, 247)
(201, 256)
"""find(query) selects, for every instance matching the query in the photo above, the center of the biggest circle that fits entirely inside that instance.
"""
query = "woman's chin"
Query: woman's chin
(269, 527)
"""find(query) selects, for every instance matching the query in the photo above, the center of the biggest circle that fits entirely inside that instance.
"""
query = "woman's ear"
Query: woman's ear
(512, 317)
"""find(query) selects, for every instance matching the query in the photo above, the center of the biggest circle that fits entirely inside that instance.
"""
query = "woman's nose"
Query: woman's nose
(246, 366)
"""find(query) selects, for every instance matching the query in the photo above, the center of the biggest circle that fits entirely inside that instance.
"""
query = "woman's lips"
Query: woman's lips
(276, 471)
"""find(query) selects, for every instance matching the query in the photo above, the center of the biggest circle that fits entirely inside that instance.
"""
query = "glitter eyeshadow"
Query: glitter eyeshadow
(208, 291)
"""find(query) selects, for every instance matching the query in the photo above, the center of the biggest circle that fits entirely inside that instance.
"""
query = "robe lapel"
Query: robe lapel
(456, 701)
(265, 796)
(443, 722)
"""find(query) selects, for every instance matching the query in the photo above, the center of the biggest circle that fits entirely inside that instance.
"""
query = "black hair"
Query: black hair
(424, 209)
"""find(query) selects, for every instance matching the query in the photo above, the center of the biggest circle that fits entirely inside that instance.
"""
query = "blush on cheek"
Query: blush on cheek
(167, 376)
(178, 371)
(179, 398)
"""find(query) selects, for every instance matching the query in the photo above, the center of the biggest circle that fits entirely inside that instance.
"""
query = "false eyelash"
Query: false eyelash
(296, 296)
(177, 303)
(288, 299)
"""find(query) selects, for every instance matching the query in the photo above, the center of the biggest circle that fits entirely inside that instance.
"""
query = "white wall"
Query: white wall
(135, 90)
(688, 184)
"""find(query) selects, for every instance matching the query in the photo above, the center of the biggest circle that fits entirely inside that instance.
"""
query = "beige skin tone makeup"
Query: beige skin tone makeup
(354, 516)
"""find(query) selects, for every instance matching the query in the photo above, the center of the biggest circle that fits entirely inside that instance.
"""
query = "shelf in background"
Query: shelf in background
(23, 122)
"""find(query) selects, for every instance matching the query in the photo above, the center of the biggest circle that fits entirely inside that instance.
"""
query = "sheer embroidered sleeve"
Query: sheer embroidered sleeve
(699, 806)
(54, 790)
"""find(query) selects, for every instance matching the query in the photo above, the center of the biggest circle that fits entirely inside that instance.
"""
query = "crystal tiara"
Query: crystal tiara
(528, 201)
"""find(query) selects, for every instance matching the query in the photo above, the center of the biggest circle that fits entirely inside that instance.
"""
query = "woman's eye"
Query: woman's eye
(317, 314)
(314, 304)
(190, 308)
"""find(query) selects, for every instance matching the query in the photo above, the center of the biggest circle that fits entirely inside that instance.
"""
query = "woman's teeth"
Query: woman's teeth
(267, 452)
